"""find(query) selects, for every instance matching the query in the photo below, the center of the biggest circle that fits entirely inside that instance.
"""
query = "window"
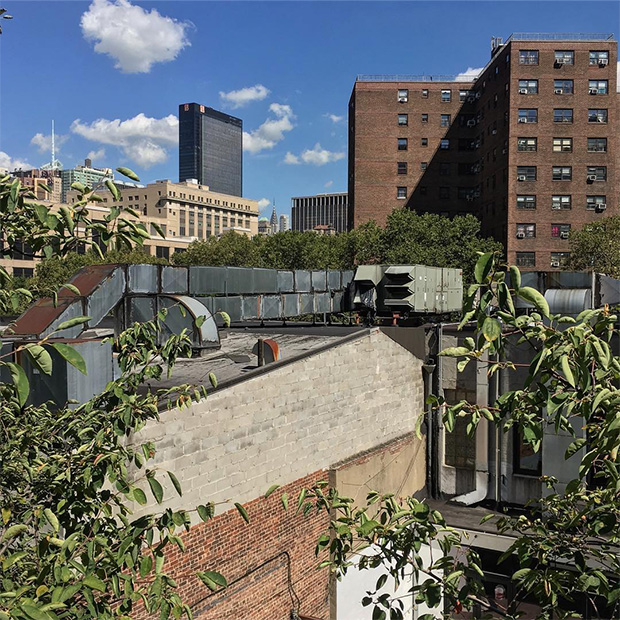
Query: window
(599, 58)
(526, 461)
(527, 144)
(527, 231)
(425, 93)
(561, 202)
(597, 87)
(562, 145)
(563, 87)
(401, 192)
(444, 169)
(557, 258)
(425, 118)
(444, 144)
(528, 115)
(596, 203)
(402, 144)
(562, 173)
(424, 141)
(423, 190)
(162, 251)
(528, 57)
(402, 167)
(526, 173)
(528, 87)
(444, 193)
(526, 202)
(446, 96)
(560, 230)
(423, 165)
(597, 145)
(564, 57)
(403, 119)
(403, 95)
(445, 120)
(597, 173)
(526, 259)
(597, 116)
(563, 115)
(463, 94)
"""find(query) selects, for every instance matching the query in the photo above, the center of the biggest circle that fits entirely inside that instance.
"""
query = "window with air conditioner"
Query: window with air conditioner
(444, 144)
(402, 144)
(403, 95)
(528, 57)
(599, 58)
(562, 115)
(562, 145)
(463, 94)
(526, 259)
(403, 119)
(425, 93)
(558, 258)
(446, 96)
(597, 145)
(564, 57)
(526, 173)
(528, 115)
(559, 203)
(526, 202)
(597, 115)
(560, 230)
(526, 231)
(444, 169)
(598, 87)
(563, 87)
(528, 87)
(425, 118)
(401, 167)
(597, 173)
(527, 144)
(562, 173)
(423, 165)
(596, 203)
(445, 120)
(401, 192)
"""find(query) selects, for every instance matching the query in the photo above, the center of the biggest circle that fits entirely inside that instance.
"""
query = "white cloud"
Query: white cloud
(469, 74)
(316, 156)
(271, 131)
(263, 203)
(334, 118)
(143, 139)
(44, 143)
(98, 154)
(6, 161)
(329, 183)
(134, 37)
(243, 96)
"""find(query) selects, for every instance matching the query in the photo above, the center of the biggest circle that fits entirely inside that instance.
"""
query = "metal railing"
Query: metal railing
(413, 78)
(560, 36)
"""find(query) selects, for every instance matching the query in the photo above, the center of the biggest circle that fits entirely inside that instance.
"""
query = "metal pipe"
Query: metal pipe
(261, 352)
(429, 369)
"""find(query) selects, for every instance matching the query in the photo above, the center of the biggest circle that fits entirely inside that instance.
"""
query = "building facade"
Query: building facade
(210, 148)
(307, 212)
(530, 146)
(86, 175)
(38, 177)
(284, 223)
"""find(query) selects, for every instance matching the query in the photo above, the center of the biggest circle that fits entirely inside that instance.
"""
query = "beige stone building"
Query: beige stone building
(184, 211)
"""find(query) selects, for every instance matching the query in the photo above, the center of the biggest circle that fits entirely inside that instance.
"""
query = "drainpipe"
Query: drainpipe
(429, 369)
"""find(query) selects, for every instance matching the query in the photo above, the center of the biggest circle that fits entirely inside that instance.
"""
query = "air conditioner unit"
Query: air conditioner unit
(402, 99)
(520, 235)
(600, 206)
(591, 177)
(522, 119)
(469, 198)
(523, 91)
(471, 123)
(555, 263)
(593, 91)
(471, 99)
(504, 151)
(494, 132)
(567, 148)
(478, 95)
(521, 177)
(556, 207)
(559, 62)
(602, 62)
(563, 235)
(558, 91)
(477, 144)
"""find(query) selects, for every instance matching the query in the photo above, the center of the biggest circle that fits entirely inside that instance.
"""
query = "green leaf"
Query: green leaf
(176, 483)
(483, 267)
(52, 519)
(270, 490)
(491, 329)
(78, 320)
(225, 317)
(71, 356)
(213, 379)
(94, 583)
(213, 580)
(206, 512)
(20, 380)
(113, 189)
(12, 559)
(139, 496)
(156, 489)
(455, 351)
(146, 565)
(515, 277)
(568, 373)
(284, 500)
(130, 174)
(521, 574)
(80, 187)
(536, 298)
(34, 612)
(243, 512)
(574, 447)
(40, 358)
(13, 531)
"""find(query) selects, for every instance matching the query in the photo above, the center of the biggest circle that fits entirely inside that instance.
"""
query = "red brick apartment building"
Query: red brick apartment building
(530, 146)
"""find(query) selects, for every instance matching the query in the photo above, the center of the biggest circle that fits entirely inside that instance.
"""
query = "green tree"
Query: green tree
(567, 543)
(596, 247)
(230, 249)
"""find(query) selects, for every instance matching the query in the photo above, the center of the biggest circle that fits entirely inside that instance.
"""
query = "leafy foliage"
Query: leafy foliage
(596, 247)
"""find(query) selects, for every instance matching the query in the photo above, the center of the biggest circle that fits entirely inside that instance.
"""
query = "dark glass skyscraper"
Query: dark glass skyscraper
(210, 148)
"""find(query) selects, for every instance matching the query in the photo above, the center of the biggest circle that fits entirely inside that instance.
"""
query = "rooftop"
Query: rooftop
(560, 36)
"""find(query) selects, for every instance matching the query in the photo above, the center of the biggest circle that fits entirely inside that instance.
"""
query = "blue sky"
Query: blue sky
(111, 74)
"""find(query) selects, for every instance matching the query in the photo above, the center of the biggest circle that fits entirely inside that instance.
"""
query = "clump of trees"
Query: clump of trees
(596, 247)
